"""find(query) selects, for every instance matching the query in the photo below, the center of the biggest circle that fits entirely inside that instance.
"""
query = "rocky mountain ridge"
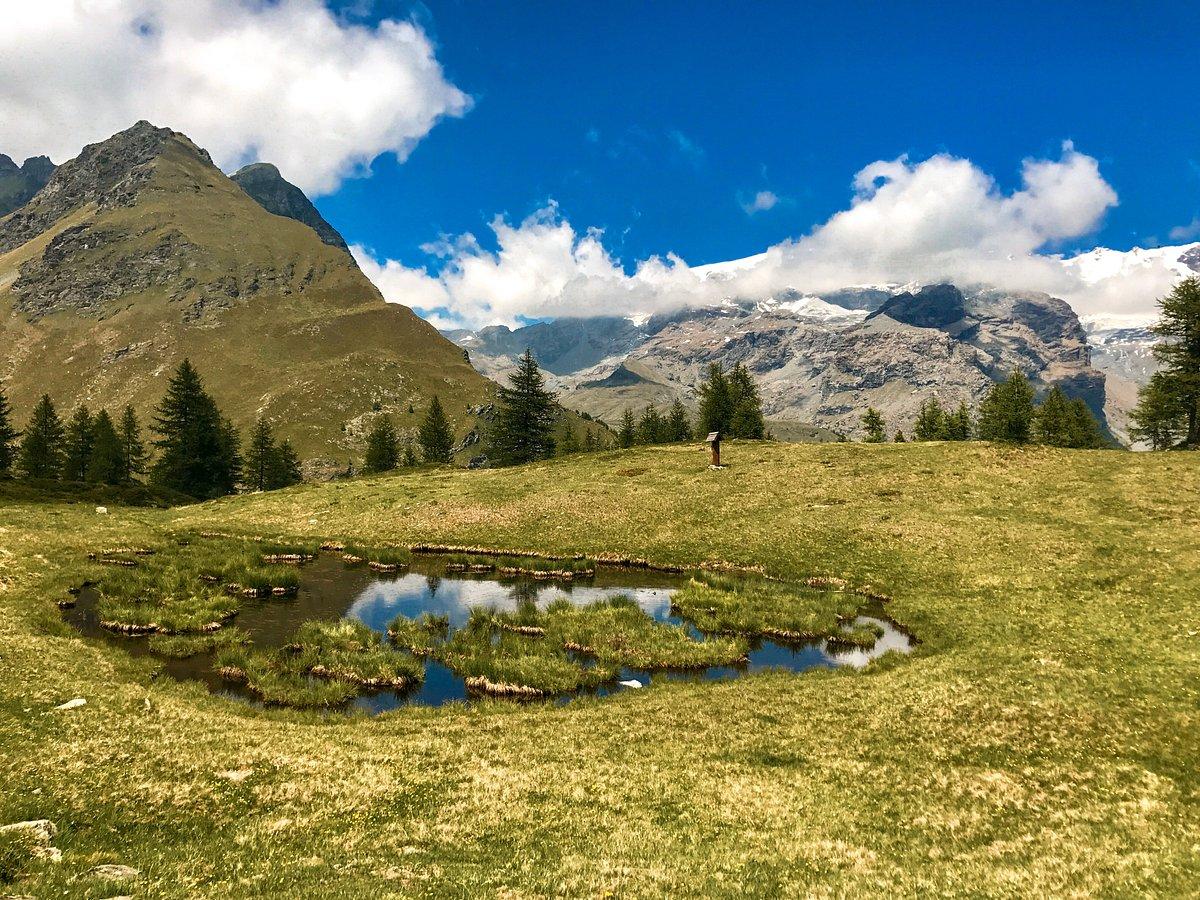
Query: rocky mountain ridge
(18, 184)
(267, 187)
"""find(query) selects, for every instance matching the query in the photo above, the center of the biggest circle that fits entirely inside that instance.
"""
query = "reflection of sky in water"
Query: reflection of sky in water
(411, 595)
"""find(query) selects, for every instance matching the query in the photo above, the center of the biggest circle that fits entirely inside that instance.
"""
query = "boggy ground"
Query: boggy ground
(1041, 740)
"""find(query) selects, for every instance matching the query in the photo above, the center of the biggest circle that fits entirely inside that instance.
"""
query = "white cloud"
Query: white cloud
(760, 202)
(286, 81)
(1188, 232)
(941, 218)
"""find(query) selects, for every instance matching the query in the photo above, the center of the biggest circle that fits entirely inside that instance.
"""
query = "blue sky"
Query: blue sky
(656, 122)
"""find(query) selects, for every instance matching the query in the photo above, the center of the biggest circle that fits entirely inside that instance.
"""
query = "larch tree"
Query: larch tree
(436, 437)
(41, 453)
(527, 411)
(198, 452)
(1178, 355)
(383, 447)
(8, 438)
(873, 425)
(133, 450)
(106, 464)
(77, 445)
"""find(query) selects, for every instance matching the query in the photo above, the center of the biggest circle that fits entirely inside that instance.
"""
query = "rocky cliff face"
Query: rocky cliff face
(823, 367)
(279, 197)
(18, 184)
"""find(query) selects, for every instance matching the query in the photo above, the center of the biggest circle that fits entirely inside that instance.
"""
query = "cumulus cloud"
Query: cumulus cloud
(760, 202)
(940, 218)
(1188, 232)
(284, 81)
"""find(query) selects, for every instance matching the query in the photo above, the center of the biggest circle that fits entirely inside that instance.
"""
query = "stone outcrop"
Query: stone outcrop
(280, 197)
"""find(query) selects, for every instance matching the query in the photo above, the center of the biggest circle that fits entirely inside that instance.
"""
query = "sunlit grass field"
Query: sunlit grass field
(1044, 738)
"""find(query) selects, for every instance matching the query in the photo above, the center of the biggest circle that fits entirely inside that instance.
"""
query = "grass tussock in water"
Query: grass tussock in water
(723, 604)
(327, 664)
(192, 587)
(533, 566)
(181, 646)
(384, 559)
(618, 632)
(421, 635)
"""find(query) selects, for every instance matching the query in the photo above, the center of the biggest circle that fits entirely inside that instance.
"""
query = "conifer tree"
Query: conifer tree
(77, 446)
(1053, 419)
(436, 437)
(872, 422)
(627, 433)
(198, 448)
(589, 441)
(260, 457)
(959, 426)
(1158, 419)
(133, 451)
(41, 452)
(383, 447)
(1006, 413)
(746, 416)
(900, 438)
(8, 438)
(931, 422)
(524, 426)
(716, 404)
(1179, 354)
(285, 467)
(1084, 431)
(106, 465)
(650, 427)
(678, 428)
(410, 456)
(568, 443)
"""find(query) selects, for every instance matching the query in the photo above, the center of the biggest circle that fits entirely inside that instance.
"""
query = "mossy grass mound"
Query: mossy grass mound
(181, 646)
(759, 608)
(326, 664)
(422, 635)
(381, 559)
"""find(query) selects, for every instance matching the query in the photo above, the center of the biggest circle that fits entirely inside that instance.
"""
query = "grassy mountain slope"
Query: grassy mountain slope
(1041, 741)
(143, 252)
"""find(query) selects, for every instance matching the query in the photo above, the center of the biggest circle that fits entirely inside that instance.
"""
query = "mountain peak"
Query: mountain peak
(278, 196)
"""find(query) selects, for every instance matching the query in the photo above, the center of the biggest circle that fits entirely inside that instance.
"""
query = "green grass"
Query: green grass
(422, 635)
(1041, 740)
(181, 646)
(722, 604)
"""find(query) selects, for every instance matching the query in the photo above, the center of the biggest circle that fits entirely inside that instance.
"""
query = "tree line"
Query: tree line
(729, 403)
(435, 439)
(1010, 414)
(198, 449)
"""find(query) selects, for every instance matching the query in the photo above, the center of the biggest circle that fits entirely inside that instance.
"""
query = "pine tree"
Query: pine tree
(41, 452)
(285, 467)
(198, 448)
(8, 438)
(872, 422)
(568, 443)
(959, 426)
(1006, 413)
(746, 416)
(1054, 419)
(77, 446)
(133, 451)
(1158, 419)
(931, 424)
(678, 427)
(106, 465)
(650, 427)
(900, 438)
(627, 433)
(410, 456)
(524, 426)
(260, 456)
(1179, 354)
(436, 437)
(383, 448)
(589, 441)
(716, 404)
(1084, 431)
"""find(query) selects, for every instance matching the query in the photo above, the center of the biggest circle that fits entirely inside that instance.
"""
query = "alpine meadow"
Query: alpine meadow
(561, 451)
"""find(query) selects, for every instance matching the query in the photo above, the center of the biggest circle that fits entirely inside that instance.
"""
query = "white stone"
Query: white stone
(103, 510)
(73, 704)
(632, 683)
(115, 871)
(40, 830)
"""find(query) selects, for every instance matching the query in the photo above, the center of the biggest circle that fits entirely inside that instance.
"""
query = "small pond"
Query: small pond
(330, 590)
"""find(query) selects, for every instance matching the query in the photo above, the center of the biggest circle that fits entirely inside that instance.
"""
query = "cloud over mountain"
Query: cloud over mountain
(285, 81)
(942, 218)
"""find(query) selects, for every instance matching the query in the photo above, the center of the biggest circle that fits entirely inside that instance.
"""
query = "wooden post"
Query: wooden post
(714, 444)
